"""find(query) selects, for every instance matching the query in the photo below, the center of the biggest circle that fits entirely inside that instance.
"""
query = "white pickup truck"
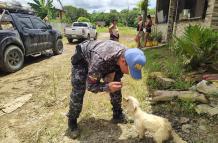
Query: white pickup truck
(80, 31)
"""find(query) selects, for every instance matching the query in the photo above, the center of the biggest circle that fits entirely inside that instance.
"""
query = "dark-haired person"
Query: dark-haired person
(148, 25)
(114, 32)
(139, 32)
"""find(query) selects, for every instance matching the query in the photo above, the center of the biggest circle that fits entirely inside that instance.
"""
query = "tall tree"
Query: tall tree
(43, 8)
(171, 18)
(144, 9)
(73, 13)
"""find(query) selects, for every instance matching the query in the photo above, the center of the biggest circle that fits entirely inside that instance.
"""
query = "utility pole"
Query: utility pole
(144, 10)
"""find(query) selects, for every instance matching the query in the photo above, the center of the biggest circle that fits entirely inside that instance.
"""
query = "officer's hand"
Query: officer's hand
(114, 86)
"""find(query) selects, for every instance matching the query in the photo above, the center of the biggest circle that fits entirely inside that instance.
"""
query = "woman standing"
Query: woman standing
(114, 32)
(148, 26)
(139, 32)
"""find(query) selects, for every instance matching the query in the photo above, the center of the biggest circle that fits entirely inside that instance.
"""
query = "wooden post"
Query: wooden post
(171, 19)
(157, 5)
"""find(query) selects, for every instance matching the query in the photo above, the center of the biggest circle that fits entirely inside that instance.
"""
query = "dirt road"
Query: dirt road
(42, 118)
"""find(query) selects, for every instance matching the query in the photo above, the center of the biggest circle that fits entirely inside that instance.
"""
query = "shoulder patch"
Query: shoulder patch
(93, 78)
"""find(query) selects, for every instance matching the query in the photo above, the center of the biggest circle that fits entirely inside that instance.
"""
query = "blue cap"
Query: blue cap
(135, 59)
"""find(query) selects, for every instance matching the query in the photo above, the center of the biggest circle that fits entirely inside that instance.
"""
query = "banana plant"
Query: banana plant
(43, 8)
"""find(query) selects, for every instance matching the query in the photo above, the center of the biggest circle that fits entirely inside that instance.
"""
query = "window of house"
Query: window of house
(38, 24)
(187, 9)
(191, 9)
(162, 10)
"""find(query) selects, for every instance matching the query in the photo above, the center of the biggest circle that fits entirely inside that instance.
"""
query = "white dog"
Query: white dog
(159, 127)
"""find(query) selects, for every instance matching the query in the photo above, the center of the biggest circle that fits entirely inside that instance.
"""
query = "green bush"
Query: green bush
(197, 46)
(156, 35)
(120, 24)
(164, 61)
(83, 19)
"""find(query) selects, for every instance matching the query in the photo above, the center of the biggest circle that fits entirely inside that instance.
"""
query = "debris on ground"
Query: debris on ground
(186, 128)
(162, 80)
(210, 77)
(13, 105)
(184, 120)
(164, 95)
(204, 108)
(207, 88)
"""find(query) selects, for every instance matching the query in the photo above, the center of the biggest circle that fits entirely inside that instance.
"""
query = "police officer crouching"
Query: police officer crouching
(96, 60)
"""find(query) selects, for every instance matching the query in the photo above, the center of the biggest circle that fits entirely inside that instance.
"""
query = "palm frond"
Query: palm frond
(197, 45)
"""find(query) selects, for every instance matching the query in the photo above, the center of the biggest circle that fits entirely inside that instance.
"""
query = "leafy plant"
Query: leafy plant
(157, 36)
(143, 4)
(165, 62)
(198, 45)
(43, 8)
(83, 19)
(72, 14)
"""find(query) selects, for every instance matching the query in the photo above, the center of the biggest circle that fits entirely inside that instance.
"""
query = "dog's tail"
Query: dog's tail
(177, 138)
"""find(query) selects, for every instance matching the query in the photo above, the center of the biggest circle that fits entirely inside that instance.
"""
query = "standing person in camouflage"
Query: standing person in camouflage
(96, 60)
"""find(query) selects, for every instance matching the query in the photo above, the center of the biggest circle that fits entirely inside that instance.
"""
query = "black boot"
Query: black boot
(73, 128)
(119, 118)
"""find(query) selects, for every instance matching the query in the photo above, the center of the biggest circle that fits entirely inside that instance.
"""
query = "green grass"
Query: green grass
(162, 60)
(102, 29)
(127, 31)
(176, 108)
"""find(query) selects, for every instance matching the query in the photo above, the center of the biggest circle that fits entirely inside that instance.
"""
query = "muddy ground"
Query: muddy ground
(42, 118)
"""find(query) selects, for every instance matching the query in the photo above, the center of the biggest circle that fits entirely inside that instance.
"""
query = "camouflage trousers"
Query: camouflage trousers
(79, 75)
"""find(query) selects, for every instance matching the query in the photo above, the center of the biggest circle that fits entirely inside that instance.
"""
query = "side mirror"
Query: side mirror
(94, 27)
(49, 27)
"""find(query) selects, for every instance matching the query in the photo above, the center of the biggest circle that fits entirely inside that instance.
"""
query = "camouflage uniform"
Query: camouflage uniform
(92, 61)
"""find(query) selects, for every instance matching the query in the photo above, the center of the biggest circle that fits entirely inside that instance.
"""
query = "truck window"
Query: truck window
(6, 22)
(80, 25)
(38, 24)
(26, 22)
(6, 25)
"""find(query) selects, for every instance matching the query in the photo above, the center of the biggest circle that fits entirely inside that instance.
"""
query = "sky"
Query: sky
(95, 5)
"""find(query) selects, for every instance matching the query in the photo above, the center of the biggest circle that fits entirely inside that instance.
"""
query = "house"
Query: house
(172, 16)
(59, 8)
(100, 23)
(61, 13)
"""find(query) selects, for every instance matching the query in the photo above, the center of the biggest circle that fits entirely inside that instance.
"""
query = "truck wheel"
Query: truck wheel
(70, 40)
(13, 59)
(88, 37)
(96, 35)
(58, 49)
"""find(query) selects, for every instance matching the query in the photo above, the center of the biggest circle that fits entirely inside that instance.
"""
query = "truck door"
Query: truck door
(45, 40)
(28, 36)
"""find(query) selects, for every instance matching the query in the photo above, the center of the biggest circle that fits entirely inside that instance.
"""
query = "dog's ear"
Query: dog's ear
(126, 99)
(135, 106)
